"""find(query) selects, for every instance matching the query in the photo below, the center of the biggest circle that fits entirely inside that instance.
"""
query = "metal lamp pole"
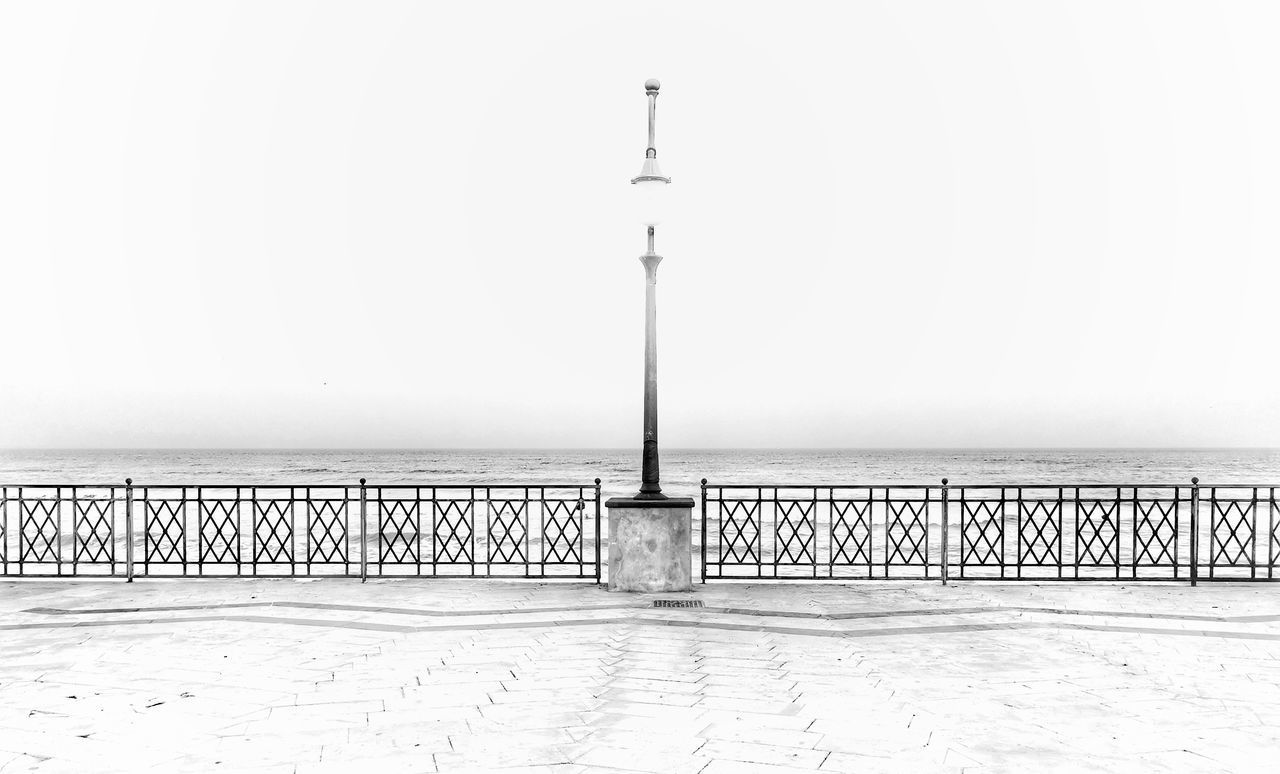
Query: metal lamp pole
(650, 538)
(650, 176)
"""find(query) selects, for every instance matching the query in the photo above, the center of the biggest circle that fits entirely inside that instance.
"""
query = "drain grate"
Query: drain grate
(677, 603)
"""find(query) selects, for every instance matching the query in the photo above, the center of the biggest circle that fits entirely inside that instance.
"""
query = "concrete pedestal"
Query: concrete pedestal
(650, 544)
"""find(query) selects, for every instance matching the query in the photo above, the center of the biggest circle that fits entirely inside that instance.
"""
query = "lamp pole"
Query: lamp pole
(650, 541)
(651, 178)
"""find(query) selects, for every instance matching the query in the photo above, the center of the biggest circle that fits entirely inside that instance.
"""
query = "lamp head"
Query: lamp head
(650, 183)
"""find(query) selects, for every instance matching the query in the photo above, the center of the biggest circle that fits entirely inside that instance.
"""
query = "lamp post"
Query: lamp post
(650, 545)
(650, 185)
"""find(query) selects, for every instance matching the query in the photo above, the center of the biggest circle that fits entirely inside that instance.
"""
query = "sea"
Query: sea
(619, 469)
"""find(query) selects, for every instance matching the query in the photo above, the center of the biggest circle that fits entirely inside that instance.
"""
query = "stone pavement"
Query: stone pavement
(463, 675)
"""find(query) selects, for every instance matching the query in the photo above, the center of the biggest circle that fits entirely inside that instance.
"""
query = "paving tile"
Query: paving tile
(768, 680)
(666, 712)
(418, 700)
(545, 695)
(626, 758)
(554, 768)
(669, 742)
(852, 763)
(757, 692)
(758, 720)
(739, 704)
(730, 766)
(525, 683)
(760, 733)
(776, 755)
(663, 697)
(395, 763)
(640, 673)
(654, 686)
(502, 756)
(423, 716)
(522, 716)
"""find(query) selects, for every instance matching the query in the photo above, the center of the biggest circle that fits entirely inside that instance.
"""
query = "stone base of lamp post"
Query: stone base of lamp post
(650, 544)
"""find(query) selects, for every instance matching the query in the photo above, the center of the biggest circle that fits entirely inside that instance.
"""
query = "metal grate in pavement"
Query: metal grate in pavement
(677, 603)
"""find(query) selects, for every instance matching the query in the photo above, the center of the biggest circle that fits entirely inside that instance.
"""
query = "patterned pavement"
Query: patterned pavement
(473, 675)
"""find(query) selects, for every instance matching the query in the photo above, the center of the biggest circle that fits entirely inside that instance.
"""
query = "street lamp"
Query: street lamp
(650, 538)
(650, 188)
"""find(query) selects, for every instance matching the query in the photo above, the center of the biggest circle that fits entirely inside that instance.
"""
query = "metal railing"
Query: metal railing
(1130, 532)
(230, 530)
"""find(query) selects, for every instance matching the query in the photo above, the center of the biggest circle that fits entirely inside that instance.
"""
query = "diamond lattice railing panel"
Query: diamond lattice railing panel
(851, 529)
(1097, 534)
(508, 530)
(40, 530)
(739, 530)
(327, 531)
(166, 532)
(1041, 528)
(453, 532)
(906, 532)
(1233, 533)
(794, 532)
(398, 531)
(1155, 532)
(982, 538)
(562, 529)
(220, 531)
(93, 531)
(273, 531)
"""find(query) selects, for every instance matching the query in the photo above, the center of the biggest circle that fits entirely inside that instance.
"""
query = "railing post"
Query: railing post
(364, 538)
(1195, 529)
(128, 530)
(704, 530)
(597, 531)
(946, 566)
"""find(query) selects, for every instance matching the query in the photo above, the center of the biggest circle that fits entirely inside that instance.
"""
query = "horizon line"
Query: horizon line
(615, 448)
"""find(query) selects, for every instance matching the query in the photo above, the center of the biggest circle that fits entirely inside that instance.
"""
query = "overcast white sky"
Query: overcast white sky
(405, 224)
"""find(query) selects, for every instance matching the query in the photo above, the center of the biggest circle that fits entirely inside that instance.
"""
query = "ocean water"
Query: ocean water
(619, 469)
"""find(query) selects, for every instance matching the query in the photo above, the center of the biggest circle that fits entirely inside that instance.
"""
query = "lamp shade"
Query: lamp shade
(650, 201)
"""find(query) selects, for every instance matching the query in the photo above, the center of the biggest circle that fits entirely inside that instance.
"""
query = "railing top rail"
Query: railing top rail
(1112, 485)
(1081, 485)
(117, 485)
(483, 486)
(311, 485)
(711, 485)
(1024, 485)
(136, 485)
(1127, 485)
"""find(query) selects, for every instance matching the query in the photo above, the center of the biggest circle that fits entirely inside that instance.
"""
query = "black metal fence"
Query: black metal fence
(1130, 532)
(1040, 532)
(227, 530)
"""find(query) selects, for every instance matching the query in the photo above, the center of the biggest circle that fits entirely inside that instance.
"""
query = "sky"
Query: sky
(407, 224)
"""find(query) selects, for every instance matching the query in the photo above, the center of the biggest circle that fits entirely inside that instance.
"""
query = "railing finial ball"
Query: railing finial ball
(597, 482)
(652, 85)
(128, 482)
(362, 482)
(944, 482)
(704, 482)
(1195, 479)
